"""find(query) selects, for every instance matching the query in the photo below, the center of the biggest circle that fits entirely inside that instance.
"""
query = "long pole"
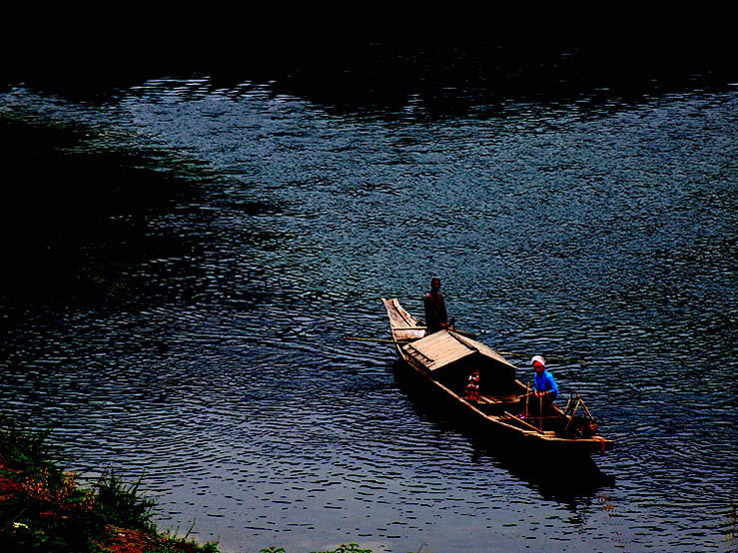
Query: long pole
(557, 359)
(529, 425)
(585, 408)
(379, 340)
(540, 412)
(456, 330)
(571, 418)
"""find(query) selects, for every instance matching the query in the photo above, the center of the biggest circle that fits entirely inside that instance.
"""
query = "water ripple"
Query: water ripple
(605, 241)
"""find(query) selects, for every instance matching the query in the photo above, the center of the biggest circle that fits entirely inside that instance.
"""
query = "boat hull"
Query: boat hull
(490, 428)
(501, 421)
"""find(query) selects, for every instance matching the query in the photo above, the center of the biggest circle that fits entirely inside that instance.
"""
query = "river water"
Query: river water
(211, 355)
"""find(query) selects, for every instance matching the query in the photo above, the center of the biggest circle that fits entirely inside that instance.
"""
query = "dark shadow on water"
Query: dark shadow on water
(99, 228)
(450, 76)
(563, 479)
(79, 219)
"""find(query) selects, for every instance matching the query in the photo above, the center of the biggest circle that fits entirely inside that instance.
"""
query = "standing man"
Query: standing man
(436, 317)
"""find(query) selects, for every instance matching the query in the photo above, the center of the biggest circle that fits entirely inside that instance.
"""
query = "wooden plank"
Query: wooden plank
(521, 421)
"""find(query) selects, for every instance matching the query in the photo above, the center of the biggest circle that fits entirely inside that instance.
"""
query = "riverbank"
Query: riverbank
(42, 508)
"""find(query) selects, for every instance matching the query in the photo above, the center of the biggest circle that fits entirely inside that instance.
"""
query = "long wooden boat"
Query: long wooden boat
(506, 407)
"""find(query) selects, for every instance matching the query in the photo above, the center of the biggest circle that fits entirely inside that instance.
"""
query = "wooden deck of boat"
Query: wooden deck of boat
(404, 326)
(498, 400)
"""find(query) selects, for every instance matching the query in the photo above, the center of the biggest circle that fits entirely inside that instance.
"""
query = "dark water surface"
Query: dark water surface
(253, 230)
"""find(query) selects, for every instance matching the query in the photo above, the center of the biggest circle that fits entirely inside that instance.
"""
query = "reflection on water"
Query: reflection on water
(731, 536)
(246, 232)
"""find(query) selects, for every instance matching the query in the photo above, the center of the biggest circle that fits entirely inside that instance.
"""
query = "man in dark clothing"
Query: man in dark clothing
(435, 308)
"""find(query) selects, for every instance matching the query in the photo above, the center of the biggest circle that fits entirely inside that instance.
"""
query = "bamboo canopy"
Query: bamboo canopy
(445, 347)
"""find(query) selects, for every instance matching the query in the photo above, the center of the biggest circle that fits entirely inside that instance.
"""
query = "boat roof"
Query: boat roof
(445, 348)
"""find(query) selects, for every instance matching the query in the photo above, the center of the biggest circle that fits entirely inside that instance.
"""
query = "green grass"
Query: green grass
(43, 509)
(350, 548)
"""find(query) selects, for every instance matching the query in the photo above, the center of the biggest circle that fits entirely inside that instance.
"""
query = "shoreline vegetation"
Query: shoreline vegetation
(42, 509)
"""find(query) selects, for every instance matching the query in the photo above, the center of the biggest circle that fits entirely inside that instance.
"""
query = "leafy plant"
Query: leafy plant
(350, 548)
(25, 449)
(43, 510)
(122, 505)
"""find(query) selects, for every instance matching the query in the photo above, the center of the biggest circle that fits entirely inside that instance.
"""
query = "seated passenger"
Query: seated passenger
(472, 387)
(544, 385)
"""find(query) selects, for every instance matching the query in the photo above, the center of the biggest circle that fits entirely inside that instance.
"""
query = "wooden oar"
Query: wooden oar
(456, 330)
(379, 340)
(526, 423)
(540, 412)
(464, 333)
(556, 359)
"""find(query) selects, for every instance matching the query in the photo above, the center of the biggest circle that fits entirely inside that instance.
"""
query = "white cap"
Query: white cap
(538, 359)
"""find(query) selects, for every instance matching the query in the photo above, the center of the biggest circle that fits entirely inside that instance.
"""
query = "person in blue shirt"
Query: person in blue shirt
(544, 384)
